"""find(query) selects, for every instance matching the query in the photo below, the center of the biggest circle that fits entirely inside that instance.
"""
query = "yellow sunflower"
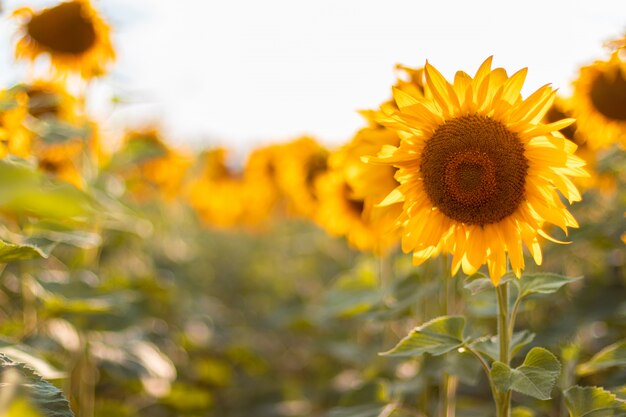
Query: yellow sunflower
(49, 100)
(261, 184)
(478, 170)
(149, 164)
(299, 164)
(15, 138)
(72, 33)
(341, 214)
(599, 102)
(62, 160)
(217, 194)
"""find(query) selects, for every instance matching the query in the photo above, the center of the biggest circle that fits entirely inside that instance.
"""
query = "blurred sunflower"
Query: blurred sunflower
(299, 164)
(218, 196)
(478, 170)
(72, 33)
(14, 136)
(261, 185)
(62, 160)
(149, 165)
(49, 100)
(340, 213)
(599, 102)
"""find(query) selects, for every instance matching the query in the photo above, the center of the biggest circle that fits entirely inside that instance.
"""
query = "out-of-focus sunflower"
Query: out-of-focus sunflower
(14, 136)
(49, 99)
(478, 170)
(352, 184)
(261, 184)
(149, 165)
(62, 160)
(72, 33)
(599, 102)
(299, 164)
(218, 196)
(341, 214)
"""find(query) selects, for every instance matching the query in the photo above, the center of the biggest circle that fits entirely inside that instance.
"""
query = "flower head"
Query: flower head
(478, 170)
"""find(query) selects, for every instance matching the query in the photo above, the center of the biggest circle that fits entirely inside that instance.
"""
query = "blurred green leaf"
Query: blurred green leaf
(438, 336)
(10, 252)
(543, 283)
(535, 377)
(25, 190)
(613, 355)
(593, 402)
(47, 398)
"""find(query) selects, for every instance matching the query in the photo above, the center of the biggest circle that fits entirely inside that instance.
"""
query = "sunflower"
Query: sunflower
(72, 33)
(478, 170)
(217, 194)
(299, 164)
(62, 160)
(599, 102)
(601, 180)
(49, 100)
(340, 213)
(150, 165)
(261, 184)
(15, 138)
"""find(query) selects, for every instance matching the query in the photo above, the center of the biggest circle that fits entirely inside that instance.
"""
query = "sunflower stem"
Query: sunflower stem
(503, 399)
(447, 388)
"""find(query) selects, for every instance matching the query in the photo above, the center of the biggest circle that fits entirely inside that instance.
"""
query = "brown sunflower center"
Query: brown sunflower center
(355, 205)
(42, 103)
(608, 95)
(316, 164)
(63, 29)
(474, 170)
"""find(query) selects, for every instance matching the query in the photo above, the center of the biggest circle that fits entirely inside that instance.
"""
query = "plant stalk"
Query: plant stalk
(503, 399)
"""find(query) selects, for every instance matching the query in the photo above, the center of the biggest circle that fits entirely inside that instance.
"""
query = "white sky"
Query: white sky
(241, 73)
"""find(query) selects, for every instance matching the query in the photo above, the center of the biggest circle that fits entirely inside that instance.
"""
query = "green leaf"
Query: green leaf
(535, 377)
(593, 402)
(543, 283)
(46, 398)
(490, 345)
(613, 355)
(479, 282)
(27, 191)
(10, 252)
(438, 336)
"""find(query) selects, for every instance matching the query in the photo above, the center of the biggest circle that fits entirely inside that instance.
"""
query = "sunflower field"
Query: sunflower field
(462, 254)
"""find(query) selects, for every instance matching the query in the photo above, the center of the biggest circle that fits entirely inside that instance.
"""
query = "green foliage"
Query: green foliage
(613, 355)
(10, 252)
(490, 345)
(593, 402)
(535, 377)
(436, 337)
(26, 190)
(543, 283)
(45, 397)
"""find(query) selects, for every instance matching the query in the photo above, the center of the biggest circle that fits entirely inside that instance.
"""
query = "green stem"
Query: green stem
(503, 399)
(447, 388)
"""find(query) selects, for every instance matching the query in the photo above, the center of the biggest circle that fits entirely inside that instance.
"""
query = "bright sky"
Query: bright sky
(241, 73)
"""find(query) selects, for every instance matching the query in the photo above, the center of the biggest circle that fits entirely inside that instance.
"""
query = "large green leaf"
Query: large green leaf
(535, 377)
(543, 283)
(613, 355)
(45, 397)
(10, 252)
(438, 336)
(593, 402)
(27, 191)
